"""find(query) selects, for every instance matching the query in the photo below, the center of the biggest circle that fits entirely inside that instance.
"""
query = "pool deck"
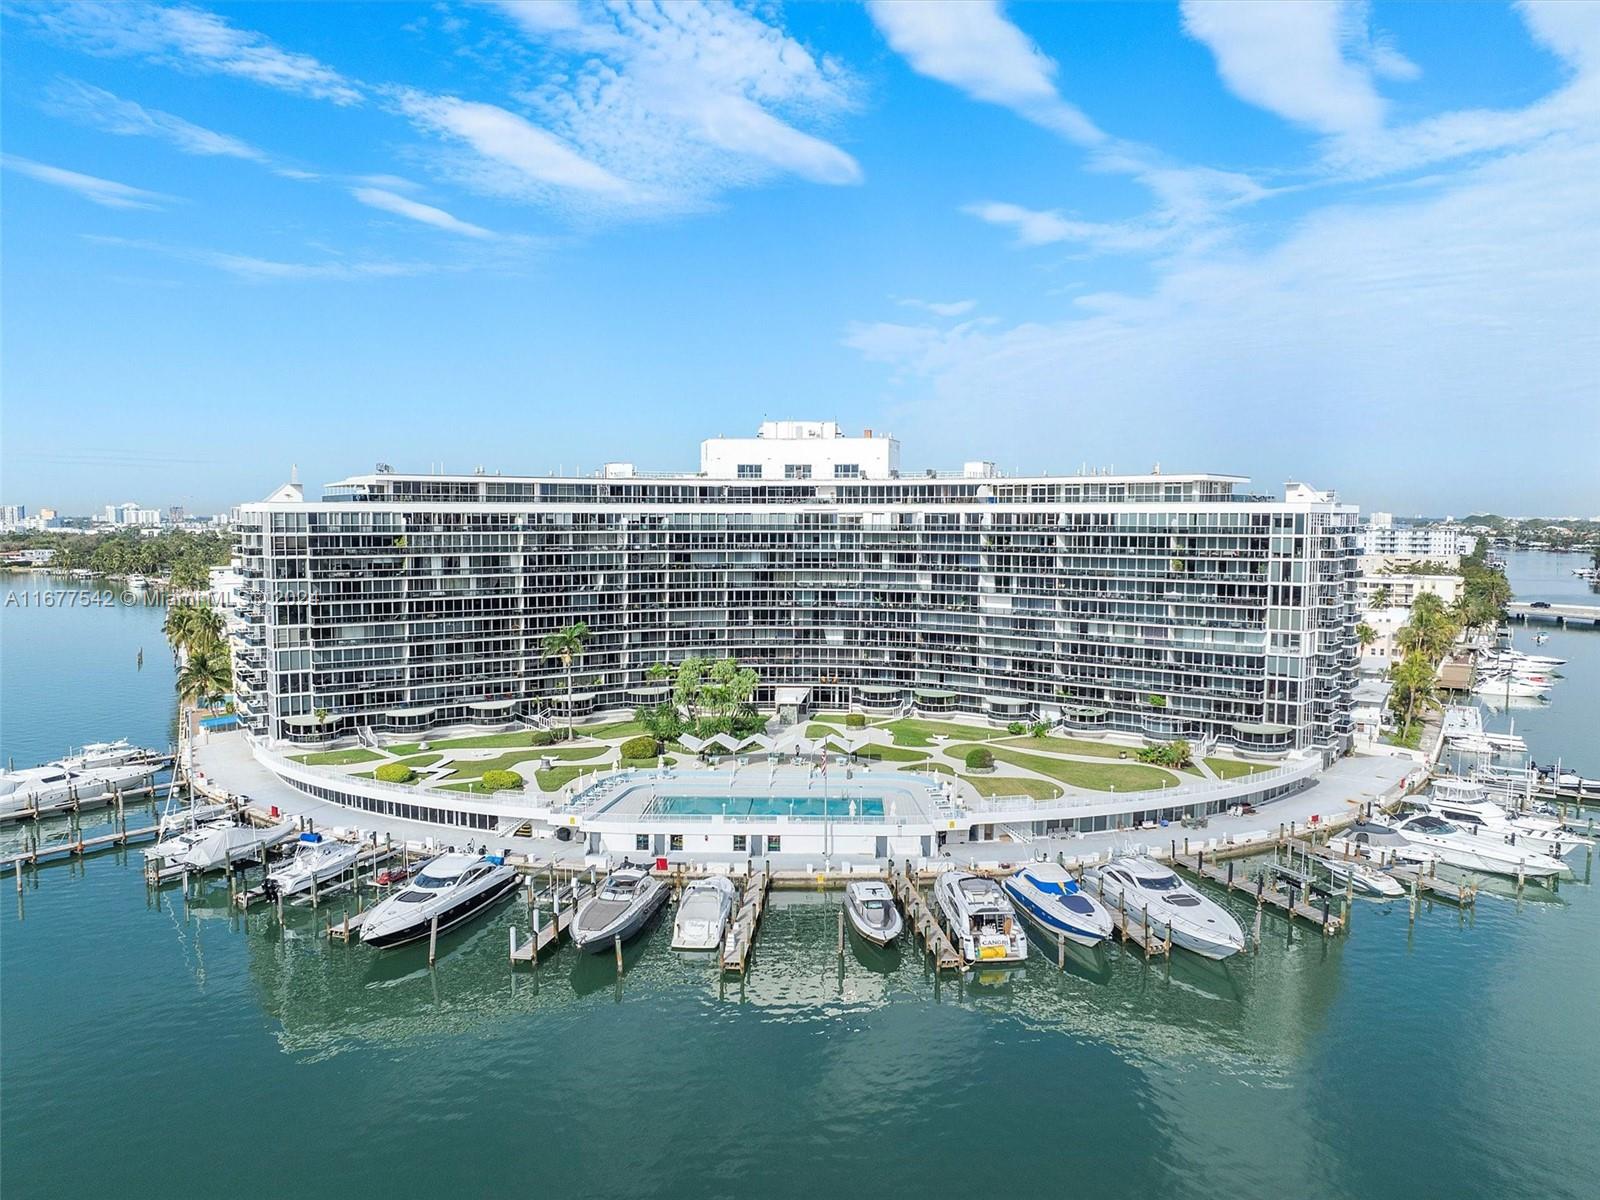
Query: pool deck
(226, 764)
(887, 795)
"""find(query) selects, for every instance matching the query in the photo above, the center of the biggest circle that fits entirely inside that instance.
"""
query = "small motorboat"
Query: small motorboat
(1362, 878)
(1457, 847)
(870, 908)
(628, 898)
(703, 913)
(1050, 898)
(450, 889)
(315, 860)
(1142, 887)
(980, 919)
(390, 876)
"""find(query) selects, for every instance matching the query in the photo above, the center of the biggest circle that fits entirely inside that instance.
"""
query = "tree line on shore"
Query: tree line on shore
(184, 557)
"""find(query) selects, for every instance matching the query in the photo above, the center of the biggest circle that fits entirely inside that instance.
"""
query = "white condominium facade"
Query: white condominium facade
(1159, 605)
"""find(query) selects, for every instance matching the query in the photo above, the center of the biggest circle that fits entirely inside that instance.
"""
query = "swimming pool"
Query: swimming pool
(816, 808)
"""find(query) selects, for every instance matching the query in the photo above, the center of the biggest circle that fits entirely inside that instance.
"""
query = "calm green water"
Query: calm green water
(148, 1049)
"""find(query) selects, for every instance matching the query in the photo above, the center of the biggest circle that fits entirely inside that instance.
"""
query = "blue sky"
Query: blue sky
(1356, 244)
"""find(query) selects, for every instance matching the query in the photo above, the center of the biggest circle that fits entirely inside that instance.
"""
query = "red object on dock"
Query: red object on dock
(274, 812)
(661, 863)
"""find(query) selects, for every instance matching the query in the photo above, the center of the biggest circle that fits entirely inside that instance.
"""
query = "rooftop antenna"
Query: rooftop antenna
(294, 473)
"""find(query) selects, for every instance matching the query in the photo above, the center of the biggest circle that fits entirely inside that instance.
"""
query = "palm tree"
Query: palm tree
(567, 645)
(206, 675)
(1380, 598)
(1366, 634)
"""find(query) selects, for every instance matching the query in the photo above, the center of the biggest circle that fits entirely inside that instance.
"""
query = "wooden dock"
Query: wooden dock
(740, 939)
(370, 857)
(79, 847)
(1138, 932)
(923, 923)
(550, 912)
(74, 804)
(1425, 883)
(1327, 916)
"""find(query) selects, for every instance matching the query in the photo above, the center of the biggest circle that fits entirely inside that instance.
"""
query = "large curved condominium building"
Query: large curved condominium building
(1160, 605)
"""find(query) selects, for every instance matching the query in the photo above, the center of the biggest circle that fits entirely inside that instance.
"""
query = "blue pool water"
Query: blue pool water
(836, 808)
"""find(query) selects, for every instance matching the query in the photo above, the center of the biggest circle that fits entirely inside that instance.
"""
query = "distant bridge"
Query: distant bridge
(1561, 614)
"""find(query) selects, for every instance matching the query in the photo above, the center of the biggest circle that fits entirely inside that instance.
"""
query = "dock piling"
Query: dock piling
(616, 944)
(433, 941)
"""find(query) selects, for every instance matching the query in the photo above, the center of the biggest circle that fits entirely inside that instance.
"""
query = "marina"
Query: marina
(786, 943)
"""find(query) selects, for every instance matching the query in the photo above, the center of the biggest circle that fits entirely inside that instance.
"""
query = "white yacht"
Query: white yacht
(1050, 898)
(453, 888)
(214, 846)
(1464, 803)
(1363, 878)
(1456, 847)
(1504, 683)
(89, 779)
(621, 906)
(980, 919)
(315, 858)
(870, 908)
(703, 913)
(1140, 885)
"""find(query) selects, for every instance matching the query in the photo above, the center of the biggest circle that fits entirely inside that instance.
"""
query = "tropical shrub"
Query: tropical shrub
(1168, 754)
(394, 772)
(1156, 701)
(979, 758)
(501, 781)
(1016, 729)
(1040, 729)
(640, 747)
(855, 720)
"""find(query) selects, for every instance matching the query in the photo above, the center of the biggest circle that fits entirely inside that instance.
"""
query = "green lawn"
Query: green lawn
(877, 753)
(912, 732)
(337, 758)
(938, 768)
(416, 762)
(1001, 785)
(1099, 777)
(1063, 745)
(616, 729)
(556, 778)
(469, 786)
(509, 760)
(1232, 768)
(486, 741)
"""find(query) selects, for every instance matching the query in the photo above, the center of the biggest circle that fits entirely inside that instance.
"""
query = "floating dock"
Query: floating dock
(923, 923)
(79, 847)
(551, 911)
(1291, 903)
(741, 936)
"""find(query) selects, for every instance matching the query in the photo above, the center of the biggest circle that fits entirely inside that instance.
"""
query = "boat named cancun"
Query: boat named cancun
(980, 919)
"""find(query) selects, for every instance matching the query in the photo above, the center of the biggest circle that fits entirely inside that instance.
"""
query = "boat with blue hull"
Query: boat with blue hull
(1051, 900)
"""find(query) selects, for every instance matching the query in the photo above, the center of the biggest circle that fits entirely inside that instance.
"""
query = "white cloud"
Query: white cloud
(685, 100)
(184, 36)
(1311, 62)
(970, 45)
(255, 268)
(104, 192)
(1042, 228)
(1567, 28)
(1360, 327)
(404, 206)
(515, 156)
(951, 308)
(95, 106)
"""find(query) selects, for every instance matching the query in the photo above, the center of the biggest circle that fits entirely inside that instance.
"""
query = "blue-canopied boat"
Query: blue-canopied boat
(1049, 897)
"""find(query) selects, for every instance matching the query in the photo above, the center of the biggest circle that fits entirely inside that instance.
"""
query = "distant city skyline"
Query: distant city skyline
(1352, 244)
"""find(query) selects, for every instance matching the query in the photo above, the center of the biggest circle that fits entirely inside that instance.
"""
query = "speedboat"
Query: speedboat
(1363, 879)
(703, 913)
(450, 889)
(1507, 684)
(980, 919)
(870, 908)
(1381, 843)
(1050, 897)
(627, 899)
(1464, 803)
(216, 845)
(1456, 847)
(181, 819)
(1140, 886)
(316, 859)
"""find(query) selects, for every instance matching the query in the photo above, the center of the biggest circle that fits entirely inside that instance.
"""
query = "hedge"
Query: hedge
(979, 758)
(639, 747)
(855, 720)
(500, 781)
(393, 772)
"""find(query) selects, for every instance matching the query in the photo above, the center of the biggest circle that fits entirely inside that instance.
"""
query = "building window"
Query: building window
(741, 842)
(797, 471)
(749, 470)
(675, 842)
(774, 843)
(847, 470)
(641, 841)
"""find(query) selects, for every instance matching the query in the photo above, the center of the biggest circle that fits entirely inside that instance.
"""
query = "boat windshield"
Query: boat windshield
(1160, 883)
(874, 907)
(436, 882)
(412, 896)
(1076, 903)
(1432, 825)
